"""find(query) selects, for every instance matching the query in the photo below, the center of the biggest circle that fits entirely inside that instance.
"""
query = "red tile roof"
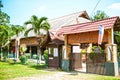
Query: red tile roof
(87, 27)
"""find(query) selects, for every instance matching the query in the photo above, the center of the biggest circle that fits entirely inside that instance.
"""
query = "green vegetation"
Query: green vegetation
(99, 15)
(11, 70)
(39, 26)
(7, 31)
(46, 56)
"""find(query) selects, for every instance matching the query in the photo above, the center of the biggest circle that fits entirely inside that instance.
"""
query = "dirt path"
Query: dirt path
(60, 75)
(55, 76)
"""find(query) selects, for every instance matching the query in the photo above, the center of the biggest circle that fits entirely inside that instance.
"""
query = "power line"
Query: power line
(95, 7)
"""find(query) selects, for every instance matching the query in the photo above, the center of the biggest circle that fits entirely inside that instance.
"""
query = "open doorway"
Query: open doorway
(78, 59)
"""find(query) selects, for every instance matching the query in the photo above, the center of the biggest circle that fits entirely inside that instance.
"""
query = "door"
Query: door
(76, 58)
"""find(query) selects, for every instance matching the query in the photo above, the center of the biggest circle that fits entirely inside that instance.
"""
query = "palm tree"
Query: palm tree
(37, 24)
(17, 29)
(5, 34)
(2, 38)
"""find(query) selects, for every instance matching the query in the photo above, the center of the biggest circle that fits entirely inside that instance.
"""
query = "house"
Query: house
(84, 36)
(56, 46)
(32, 41)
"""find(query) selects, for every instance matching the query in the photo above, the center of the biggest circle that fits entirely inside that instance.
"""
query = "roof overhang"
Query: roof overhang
(113, 22)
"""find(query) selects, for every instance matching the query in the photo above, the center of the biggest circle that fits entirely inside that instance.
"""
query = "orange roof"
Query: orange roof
(87, 27)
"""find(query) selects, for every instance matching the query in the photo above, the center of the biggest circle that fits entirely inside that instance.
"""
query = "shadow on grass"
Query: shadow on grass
(38, 67)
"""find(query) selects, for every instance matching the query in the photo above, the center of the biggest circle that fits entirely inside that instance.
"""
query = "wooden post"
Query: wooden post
(111, 54)
(68, 48)
(30, 52)
(65, 61)
(110, 36)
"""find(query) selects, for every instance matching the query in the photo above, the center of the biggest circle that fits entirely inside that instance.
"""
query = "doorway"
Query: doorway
(77, 59)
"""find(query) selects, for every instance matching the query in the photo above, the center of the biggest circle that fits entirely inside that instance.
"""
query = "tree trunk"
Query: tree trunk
(16, 48)
(1, 53)
(39, 55)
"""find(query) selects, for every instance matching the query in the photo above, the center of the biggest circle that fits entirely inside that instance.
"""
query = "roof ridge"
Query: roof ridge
(67, 15)
(107, 18)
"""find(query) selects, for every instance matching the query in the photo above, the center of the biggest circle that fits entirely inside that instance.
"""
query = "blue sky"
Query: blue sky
(21, 10)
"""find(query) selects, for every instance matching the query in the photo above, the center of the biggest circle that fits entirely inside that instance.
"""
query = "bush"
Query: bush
(5, 58)
(46, 56)
(34, 56)
(28, 55)
(23, 59)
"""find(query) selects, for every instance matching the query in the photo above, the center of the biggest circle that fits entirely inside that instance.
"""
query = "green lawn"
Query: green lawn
(10, 70)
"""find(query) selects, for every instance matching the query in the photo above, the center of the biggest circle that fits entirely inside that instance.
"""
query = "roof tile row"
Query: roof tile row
(88, 26)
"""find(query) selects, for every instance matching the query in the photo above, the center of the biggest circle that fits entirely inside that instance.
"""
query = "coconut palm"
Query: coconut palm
(2, 37)
(37, 24)
(17, 29)
(5, 34)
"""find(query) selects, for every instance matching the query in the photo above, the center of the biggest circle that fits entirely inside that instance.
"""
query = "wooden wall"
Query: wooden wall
(88, 37)
(27, 41)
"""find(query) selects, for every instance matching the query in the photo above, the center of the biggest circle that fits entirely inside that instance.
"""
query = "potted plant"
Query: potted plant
(84, 51)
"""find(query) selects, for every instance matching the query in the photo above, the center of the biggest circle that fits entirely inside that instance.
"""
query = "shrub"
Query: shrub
(23, 59)
(28, 55)
(34, 56)
(95, 51)
(46, 56)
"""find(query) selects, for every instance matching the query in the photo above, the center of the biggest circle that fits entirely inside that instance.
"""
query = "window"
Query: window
(50, 52)
(53, 52)
(76, 49)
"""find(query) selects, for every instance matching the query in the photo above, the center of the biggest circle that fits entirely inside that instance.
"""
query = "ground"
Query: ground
(60, 75)
(32, 71)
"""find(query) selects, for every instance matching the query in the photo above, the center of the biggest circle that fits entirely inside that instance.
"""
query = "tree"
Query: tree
(99, 15)
(37, 24)
(3, 32)
(17, 29)
(117, 40)
(4, 18)
(5, 37)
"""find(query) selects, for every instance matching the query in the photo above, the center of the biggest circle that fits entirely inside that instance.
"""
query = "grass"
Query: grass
(11, 70)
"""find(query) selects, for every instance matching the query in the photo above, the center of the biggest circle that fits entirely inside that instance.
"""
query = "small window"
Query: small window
(76, 49)
(53, 52)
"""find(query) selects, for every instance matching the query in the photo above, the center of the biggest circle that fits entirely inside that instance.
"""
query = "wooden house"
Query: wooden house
(32, 42)
(84, 36)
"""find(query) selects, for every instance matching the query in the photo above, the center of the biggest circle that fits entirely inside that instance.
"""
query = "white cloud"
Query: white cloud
(114, 6)
(113, 9)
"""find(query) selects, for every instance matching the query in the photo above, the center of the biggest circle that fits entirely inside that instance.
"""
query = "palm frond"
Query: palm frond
(27, 22)
(42, 19)
(45, 26)
(27, 31)
(38, 24)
